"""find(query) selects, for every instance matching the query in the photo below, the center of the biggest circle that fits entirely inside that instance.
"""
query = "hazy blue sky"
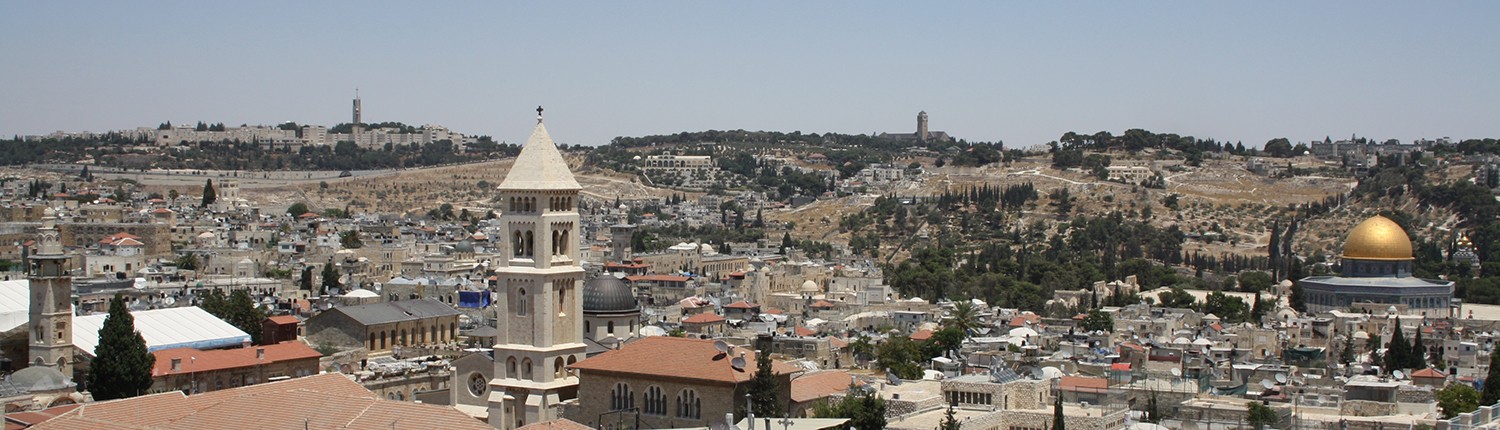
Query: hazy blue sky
(1024, 73)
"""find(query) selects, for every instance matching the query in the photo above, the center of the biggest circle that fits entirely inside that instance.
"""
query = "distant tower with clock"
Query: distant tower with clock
(51, 316)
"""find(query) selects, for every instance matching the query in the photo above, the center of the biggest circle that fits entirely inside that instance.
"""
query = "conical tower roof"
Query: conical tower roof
(540, 166)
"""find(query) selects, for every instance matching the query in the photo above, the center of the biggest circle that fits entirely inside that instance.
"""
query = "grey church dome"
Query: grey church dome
(39, 379)
(608, 294)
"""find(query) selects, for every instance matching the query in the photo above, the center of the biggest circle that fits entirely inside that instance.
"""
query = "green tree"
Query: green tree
(1456, 399)
(209, 195)
(950, 422)
(297, 209)
(121, 366)
(1492, 391)
(1176, 298)
(330, 278)
(350, 239)
(965, 317)
(1298, 299)
(1346, 354)
(1255, 280)
(1153, 411)
(763, 388)
(245, 315)
(901, 356)
(306, 282)
(188, 261)
(1397, 351)
(864, 410)
(1098, 320)
(1058, 423)
(1261, 416)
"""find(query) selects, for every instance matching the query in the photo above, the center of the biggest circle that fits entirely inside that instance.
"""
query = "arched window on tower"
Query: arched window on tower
(518, 243)
(560, 370)
(529, 243)
(521, 302)
(510, 368)
(556, 241)
(526, 369)
(621, 398)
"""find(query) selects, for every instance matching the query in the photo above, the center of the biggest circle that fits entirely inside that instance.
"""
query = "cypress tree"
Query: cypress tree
(209, 195)
(1057, 414)
(1492, 382)
(763, 388)
(1417, 359)
(121, 367)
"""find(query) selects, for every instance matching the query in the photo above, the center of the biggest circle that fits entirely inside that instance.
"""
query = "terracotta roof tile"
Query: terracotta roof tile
(1428, 373)
(703, 318)
(921, 335)
(819, 385)
(195, 360)
(1083, 384)
(665, 356)
(741, 305)
(328, 401)
(559, 424)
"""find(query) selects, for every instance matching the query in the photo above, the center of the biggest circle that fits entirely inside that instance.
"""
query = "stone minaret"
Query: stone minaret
(540, 296)
(922, 133)
(51, 301)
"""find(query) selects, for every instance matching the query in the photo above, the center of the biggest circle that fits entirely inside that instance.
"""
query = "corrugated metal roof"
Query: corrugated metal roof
(405, 310)
(15, 303)
(189, 327)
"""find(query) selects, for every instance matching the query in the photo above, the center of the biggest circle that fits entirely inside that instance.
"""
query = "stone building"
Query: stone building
(538, 294)
(671, 382)
(1377, 269)
(381, 327)
(195, 371)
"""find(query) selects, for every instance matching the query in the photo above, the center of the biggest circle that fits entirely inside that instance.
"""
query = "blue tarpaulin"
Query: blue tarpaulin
(473, 299)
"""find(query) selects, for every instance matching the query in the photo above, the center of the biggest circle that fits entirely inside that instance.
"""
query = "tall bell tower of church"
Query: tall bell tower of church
(922, 133)
(539, 303)
(51, 316)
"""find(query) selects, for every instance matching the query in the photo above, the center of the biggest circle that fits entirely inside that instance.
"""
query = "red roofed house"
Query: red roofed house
(809, 389)
(741, 310)
(319, 402)
(706, 323)
(192, 370)
(674, 382)
(1429, 377)
(280, 328)
(921, 335)
(1077, 389)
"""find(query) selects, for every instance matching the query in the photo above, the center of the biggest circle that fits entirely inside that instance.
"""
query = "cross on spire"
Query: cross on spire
(538, 114)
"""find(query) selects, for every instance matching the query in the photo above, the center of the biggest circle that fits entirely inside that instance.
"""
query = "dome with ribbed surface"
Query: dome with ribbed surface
(1378, 238)
(608, 294)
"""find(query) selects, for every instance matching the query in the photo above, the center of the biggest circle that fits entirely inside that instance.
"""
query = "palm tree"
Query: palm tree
(965, 317)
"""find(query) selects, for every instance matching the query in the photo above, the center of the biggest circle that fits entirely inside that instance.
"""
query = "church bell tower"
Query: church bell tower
(51, 316)
(539, 304)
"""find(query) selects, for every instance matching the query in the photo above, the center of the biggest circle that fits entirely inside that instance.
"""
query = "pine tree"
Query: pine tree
(950, 422)
(306, 282)
(1153, 411)
(763, 388)
(1298, 299)
(330, 278)
(1057, 414)
(121, 367)
(1492, 391)
(1417, 359)
(1397, 350)
(209, 196)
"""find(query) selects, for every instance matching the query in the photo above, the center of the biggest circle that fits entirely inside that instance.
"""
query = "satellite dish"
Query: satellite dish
(1397, 374)
(1267, 383)
(721, 346)
(1066, 355)
(1037, 373)
(738, 363)
(1176, 373)
(1281, 378)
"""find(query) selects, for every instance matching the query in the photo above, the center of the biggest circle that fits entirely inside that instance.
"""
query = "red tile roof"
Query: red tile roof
(559, 424)
(1428, 373)
(822, 304)
(21, 420)
(741, 305)
(703, 318)
(285, 319)
(1084, 384)
(921, 335)
(195, 360)
(1124, 367)
(327, 401)
(654, 278)
(820, 385)
(804, 331)
(837, 343)
(675, 357)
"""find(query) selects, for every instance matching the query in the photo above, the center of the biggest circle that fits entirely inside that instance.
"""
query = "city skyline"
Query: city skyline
(1024, 74)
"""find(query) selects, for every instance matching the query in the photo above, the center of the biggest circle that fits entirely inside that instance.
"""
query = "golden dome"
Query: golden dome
(1378, 238)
